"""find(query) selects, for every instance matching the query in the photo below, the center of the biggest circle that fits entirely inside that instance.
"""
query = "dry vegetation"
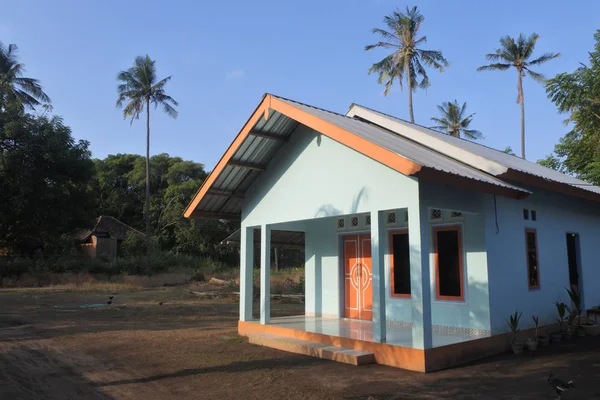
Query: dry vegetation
(187, 348)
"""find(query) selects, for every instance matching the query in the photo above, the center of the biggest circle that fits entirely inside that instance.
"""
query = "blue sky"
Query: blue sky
(225, 55)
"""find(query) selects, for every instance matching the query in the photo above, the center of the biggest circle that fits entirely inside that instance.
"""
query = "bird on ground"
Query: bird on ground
(559, 385)
(110, 297)
(160, 303)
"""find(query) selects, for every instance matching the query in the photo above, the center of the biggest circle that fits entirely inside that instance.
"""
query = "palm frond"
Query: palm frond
(544, 58)
(536, 76)
(472, 134)
(494, 67)
(528, 44)
(385, 34)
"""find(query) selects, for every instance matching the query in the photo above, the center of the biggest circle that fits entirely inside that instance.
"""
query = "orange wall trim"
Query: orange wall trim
(385, 354)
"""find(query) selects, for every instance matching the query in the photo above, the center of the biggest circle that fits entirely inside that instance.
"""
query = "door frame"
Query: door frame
(579, 267)
(342, 270)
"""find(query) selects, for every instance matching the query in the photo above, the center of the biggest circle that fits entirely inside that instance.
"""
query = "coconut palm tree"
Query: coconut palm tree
(407, 58)
(455, 122)
(26, 92)
(516, 53)
(139, 87)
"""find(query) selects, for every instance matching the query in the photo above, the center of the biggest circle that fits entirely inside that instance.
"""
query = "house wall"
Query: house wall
(556, 215)
(106, 248)
(313, 176)
(314, 179)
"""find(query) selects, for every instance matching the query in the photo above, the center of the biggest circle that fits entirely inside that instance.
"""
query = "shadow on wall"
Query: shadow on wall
(329, 210)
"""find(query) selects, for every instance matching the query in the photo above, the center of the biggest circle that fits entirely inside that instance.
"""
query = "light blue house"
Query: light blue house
(418, 245)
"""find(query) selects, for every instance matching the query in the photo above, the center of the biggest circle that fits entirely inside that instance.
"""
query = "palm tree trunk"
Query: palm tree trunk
(522, 101)
(409, 85)
(148, 185)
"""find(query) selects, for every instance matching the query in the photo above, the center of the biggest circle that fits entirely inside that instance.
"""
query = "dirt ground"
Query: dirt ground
(187, 348)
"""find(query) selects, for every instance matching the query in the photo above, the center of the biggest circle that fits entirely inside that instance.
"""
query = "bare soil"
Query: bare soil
(187, 348)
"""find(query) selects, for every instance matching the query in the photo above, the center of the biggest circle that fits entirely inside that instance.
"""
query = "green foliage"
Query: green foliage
(578, 93)
(562, 309)
(16, 89)
(513, 323)
(45, 182)
(576, 301)
(455, 121)
(536, 321)
(508, 150)
(406, 59)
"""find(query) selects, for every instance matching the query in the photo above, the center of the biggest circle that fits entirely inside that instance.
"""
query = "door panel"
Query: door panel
(358, 277)
(366, 278)
(351, 284)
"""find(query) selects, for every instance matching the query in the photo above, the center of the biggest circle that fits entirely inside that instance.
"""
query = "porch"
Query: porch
(401, 323)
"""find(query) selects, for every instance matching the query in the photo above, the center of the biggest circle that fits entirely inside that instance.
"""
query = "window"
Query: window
(400, 264)
(533, 215)
(448, 263)
(340, 223)
(533, 270)
(354, 221)
(456, 215)
(525, 213)
(368, 220)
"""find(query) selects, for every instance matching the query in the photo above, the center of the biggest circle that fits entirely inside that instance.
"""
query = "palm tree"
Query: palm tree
(140, 87)
(455, 122)
(26, 92)
(517, 54)
(406, 58)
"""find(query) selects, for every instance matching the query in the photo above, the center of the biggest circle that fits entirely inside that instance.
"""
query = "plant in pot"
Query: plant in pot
(575, 316)
(542, 340)
(561, 309)
(513, 323)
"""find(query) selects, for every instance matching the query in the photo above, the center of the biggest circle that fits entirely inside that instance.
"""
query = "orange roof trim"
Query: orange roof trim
(372, 150)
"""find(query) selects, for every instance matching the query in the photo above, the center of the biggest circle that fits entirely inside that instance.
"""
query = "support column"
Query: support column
(265, 274)
(378, 275)
(246, 272)
(420, 283)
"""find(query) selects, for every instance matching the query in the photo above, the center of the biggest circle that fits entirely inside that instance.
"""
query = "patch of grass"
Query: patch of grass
(233, 339)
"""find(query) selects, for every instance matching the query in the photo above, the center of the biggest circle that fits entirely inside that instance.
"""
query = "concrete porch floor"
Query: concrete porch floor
(363, 330)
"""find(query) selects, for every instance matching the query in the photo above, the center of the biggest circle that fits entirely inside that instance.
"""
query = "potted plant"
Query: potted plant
(513, 323)
(576, 312)
(561, 308)
(542, 340)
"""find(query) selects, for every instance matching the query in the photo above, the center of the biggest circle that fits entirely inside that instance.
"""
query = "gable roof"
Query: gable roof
(109, 226)
(484, 158)
(276, 118)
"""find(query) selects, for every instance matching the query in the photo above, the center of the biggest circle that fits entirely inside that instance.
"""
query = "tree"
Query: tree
(578, 93)
(139, 87)
(508, 150)
(516, 53)
(45, 177)
(407, 57)
(455, 122)
(14, 88)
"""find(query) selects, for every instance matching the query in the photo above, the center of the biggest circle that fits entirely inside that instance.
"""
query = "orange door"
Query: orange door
(358, 277)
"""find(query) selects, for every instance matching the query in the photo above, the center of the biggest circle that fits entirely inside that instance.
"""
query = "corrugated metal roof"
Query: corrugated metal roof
(507, 160)
(235, 180)
(224, 196)
(404, 147)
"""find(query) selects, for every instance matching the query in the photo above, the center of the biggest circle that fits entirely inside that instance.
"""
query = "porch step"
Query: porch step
(314, 349)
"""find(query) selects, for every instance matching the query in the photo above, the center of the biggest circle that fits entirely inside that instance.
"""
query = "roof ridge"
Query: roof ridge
(435, 130)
